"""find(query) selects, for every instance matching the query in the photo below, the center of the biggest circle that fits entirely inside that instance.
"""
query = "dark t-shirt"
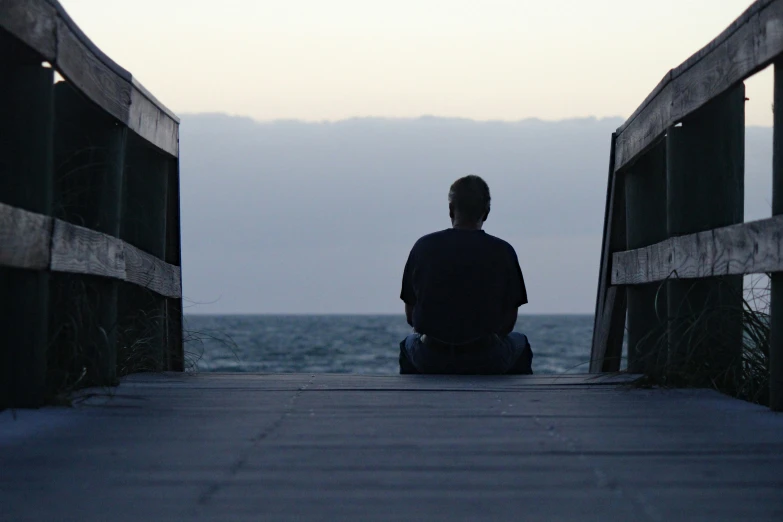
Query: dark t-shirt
(461, 284)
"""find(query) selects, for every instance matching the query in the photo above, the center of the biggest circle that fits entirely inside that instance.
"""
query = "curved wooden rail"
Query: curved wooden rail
(44, 26)
(748, 45)
(675, 213)
(89, 212)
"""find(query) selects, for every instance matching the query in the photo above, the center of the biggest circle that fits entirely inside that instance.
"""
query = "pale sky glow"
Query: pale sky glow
(329, 60)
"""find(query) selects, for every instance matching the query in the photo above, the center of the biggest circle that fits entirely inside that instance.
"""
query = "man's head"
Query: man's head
(469, 202)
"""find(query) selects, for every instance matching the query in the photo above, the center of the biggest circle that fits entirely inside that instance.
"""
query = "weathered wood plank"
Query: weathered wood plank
(751, 43)
(26, 124)
(384, 448)
(755, 247)
(613, 241)
(776, 297)
(91, 75)
(645, 189)
(80, 250)
(174, 320)
(152, 273)
(152, 121)
(32, 22)
(46, 27)
(24, 238)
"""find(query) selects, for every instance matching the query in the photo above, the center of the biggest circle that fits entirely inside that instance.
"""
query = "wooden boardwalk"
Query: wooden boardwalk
(331, 447)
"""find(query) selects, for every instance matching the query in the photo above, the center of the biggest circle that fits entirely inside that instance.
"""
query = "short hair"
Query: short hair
(469, 197)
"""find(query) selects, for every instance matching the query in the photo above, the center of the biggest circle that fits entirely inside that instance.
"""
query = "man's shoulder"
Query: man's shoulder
(502, 244)
(432, 237)
(435, 238)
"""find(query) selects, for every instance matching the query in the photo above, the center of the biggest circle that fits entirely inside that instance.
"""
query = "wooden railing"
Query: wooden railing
(89, 213)
(674, 211)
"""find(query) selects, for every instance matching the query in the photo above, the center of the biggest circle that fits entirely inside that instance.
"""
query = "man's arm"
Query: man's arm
(409, 313)
(509, 321)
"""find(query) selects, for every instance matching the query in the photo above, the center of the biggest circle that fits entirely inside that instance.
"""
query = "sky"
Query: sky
(329, 60)
(307, 170)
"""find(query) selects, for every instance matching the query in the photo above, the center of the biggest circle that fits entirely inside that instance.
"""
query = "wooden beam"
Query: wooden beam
(750, 44)
(151, 273)
(46, 27)
(755, 247)
(705, 190)
(80, 250)
(174, 320)
(776, 298)
(26, 124)
(645, 210)
(24, 238)
(606, 352)
(142, 313)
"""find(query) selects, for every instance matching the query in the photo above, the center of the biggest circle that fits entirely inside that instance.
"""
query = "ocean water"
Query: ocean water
(367, 344)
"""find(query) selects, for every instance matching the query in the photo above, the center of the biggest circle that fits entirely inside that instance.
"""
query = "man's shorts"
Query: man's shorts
(509, 354)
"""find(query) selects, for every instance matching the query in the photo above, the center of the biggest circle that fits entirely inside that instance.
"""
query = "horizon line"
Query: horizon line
(327, 121)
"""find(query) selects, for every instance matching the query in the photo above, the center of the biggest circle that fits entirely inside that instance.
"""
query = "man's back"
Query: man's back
(462, 283)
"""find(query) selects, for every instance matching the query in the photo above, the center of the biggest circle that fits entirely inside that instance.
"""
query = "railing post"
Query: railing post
(776, 299)
(26, 121)
(645, 204)
(610, 310)
(89, 155)
(705, 190)
(174, 326)
(143, 336)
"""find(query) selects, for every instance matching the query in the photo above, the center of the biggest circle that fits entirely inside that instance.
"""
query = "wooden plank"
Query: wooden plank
(350, 447)
(174, 319)
(26, 124)
(143, 313)
(80, 250)
(613, 241)
(755, 247)
(149, 272)
(34, 22)
(47, 28)
(91, 75)
(152, 121)
(601, 332)
(645, 189)
(776, 297)
(705, 190)
(751, 43)
(24, 238)
(89, 154)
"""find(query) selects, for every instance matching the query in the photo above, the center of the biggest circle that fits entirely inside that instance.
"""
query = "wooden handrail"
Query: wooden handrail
(45, 27)
(748, 45)
(748, 248)
(37, 242)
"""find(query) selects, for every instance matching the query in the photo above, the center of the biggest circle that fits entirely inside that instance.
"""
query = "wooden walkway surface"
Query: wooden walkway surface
(333, 448)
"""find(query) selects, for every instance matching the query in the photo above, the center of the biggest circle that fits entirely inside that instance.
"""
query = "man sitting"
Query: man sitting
(462, 288)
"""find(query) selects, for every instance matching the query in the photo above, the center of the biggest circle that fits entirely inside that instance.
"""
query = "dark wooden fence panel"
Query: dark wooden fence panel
(82, 247)
(175, 334)
(26, 124)
(776, 299)
(144, 226)
(89, 157)
(645, 197)
(608, 331)
(705, 190)
(695, 119)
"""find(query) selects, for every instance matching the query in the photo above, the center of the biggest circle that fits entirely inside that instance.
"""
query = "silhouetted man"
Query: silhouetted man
(462, 288)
